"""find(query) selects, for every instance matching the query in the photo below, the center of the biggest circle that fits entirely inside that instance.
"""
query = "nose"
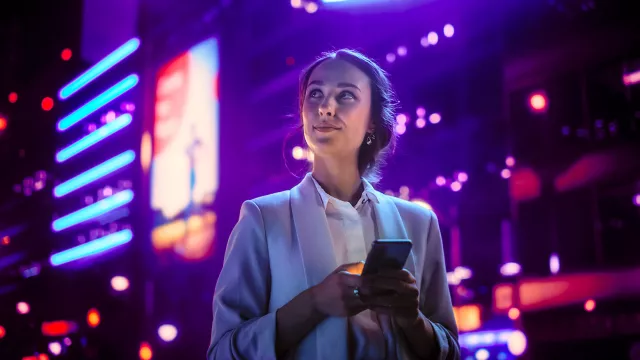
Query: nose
(327, 108)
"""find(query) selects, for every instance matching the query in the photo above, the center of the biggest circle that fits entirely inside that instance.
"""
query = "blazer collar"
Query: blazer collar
(368, 193)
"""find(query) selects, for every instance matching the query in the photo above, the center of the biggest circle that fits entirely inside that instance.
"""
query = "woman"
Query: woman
(285, 290)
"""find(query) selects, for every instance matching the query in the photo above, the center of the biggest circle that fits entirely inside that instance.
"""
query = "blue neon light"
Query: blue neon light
(94, 247)
(92, 211)
(99, 101)
(485, 338)
(100, 68)
(97, 172)
(95, 137)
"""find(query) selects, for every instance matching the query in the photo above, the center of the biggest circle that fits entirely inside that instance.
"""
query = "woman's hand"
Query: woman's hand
(335, 295)
(393, 293)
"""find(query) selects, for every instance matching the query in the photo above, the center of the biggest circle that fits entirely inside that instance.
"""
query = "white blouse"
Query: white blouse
(353, 230)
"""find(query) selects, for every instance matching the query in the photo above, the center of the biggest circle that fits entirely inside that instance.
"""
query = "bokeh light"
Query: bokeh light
(391, 57)
(55, 348)
(589, 305)
(298, 153)
(510, 161)
(311, 7)
(119, 283)
(432, 38)
(538, 102)
(448, 30)
(514, 313)
(23, 308)
(145, 351)
(93, 318)
(517, 343)
(47, 104)
(167, 332)
(66, 54)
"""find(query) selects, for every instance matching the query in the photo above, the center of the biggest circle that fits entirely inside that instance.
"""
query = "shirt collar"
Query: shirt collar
(368, 193)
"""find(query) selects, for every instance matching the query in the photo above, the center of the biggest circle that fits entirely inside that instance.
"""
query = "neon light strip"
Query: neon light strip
(95, 137)
(92, 211)
(97, 172)
(99, 101)
(100, 68)
(94, 247)
(485, 338)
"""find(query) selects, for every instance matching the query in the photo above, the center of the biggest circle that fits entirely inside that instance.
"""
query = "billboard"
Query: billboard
(185, 157)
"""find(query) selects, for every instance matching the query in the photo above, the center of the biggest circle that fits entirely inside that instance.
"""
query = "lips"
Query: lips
(326, 127)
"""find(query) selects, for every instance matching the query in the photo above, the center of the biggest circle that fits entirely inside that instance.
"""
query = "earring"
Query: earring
(370, 138)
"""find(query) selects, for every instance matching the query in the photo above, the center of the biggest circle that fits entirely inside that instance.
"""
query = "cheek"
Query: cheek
(309, 111)
(358, 119)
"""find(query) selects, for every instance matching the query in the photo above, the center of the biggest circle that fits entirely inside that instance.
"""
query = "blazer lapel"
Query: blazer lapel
(314, 239)
(312, 232)
(390, 225)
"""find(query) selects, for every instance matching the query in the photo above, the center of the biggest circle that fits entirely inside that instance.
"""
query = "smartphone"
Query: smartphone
(387, 254)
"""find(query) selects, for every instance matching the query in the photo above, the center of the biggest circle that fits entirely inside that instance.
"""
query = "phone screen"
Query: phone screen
(387, 254)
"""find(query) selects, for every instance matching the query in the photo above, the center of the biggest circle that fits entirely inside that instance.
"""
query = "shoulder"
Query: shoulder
(274, 200)
(268, 208)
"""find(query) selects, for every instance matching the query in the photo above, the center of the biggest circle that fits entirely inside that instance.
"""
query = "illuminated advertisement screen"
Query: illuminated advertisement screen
(184, 166)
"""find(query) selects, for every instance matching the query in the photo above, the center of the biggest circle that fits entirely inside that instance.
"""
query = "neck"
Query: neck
(339, 178)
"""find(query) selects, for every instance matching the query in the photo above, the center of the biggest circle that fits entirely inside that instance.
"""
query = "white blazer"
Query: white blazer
(281, 246)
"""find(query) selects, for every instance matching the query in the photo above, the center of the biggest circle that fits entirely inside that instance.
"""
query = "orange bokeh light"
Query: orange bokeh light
(3, 123)
(145, 351)
(514, 313)
(589, 305)
(47, 104)
(468, 317)
(93, 318)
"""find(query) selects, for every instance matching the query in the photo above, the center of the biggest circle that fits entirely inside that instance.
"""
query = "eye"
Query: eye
(315, 93)
(346, 95)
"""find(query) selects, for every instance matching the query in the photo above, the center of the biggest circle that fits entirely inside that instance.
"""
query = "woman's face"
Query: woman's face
(336, 111)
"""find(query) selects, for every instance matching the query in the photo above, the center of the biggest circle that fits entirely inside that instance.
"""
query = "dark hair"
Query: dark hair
(371, 158)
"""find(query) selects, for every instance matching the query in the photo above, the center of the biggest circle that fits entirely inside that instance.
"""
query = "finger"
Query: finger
(372, 285)
(350, 280)
(353, 300)
(383, 310)
(402, 275)
(396, 311)
(392, 301)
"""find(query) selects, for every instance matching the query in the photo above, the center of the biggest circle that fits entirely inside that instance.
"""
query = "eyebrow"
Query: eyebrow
(340, 85)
